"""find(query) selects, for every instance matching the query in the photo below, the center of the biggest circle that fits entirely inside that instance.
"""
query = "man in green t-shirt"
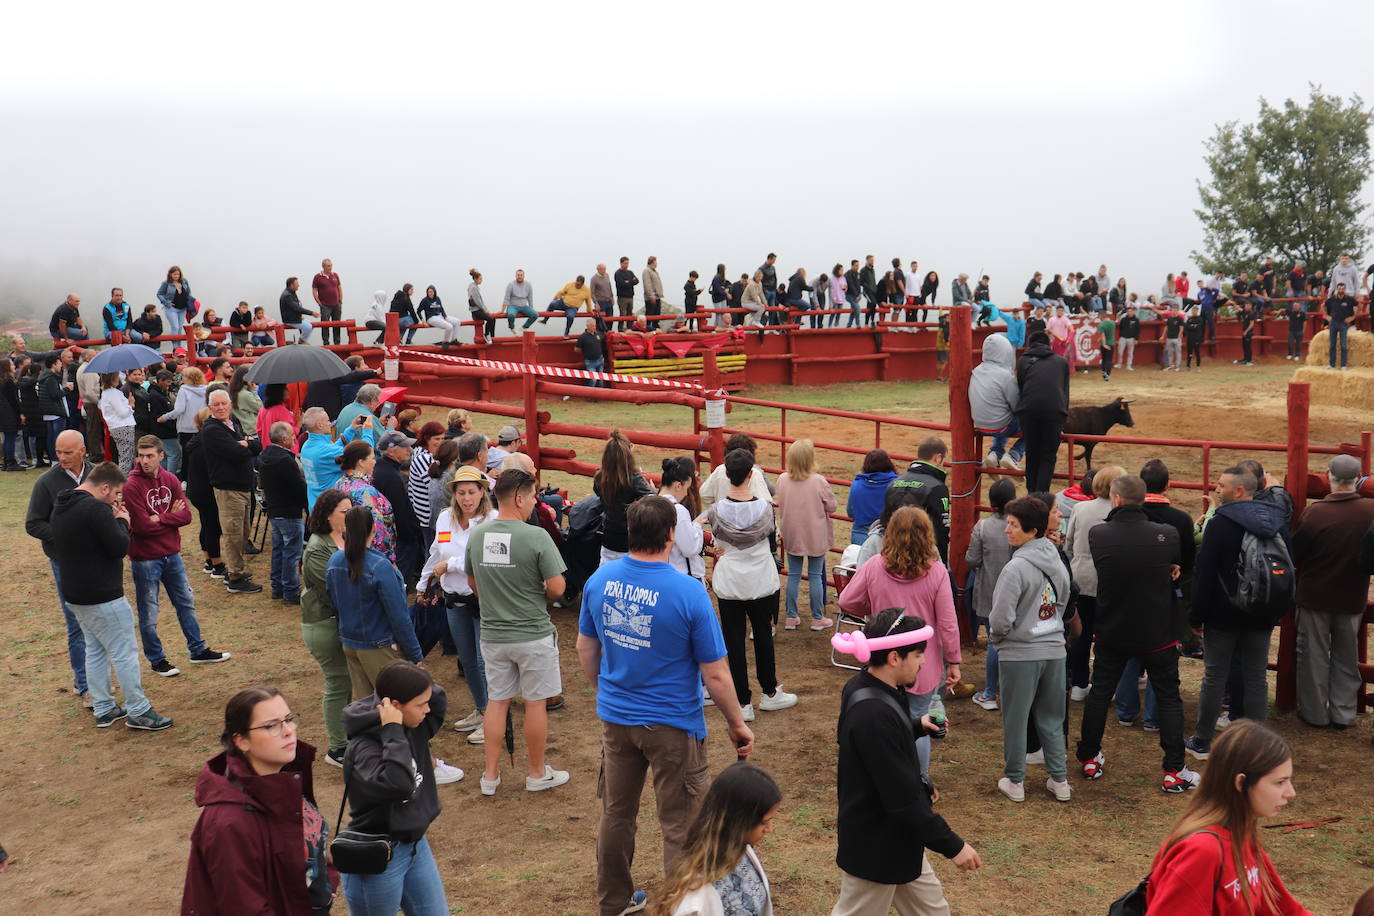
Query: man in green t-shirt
(1106, 342)
(515, 570)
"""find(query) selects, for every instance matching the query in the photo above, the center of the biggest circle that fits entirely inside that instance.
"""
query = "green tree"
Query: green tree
(1287, 186)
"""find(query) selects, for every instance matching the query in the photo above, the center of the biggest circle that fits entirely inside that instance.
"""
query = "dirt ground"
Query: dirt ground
(98, 821)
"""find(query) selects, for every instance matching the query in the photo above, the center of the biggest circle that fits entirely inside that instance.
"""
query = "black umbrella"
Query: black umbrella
(296, 363)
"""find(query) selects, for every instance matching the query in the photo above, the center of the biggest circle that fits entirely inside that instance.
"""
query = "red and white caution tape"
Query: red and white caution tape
(551, 371)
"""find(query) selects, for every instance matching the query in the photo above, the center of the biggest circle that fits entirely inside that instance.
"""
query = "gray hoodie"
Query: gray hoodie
(1027, 617)
(992, 391)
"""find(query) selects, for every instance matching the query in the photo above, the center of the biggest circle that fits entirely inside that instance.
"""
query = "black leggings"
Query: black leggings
(489, 323)
(1040, 432)
(209, 526)
(1194, 349)
(760, 613)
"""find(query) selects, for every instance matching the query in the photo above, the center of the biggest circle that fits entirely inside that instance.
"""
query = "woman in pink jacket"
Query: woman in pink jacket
(908, 574)
(805, 501)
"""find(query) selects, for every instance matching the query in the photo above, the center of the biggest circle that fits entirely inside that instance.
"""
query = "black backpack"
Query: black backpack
(1265, 577)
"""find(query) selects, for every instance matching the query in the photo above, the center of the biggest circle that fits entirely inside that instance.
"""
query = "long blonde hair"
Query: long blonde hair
(738, 801)
(1250, 750)
(801, 459)
(909, 543)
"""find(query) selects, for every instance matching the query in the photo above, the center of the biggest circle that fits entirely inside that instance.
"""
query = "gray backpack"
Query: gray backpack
(1265, 578)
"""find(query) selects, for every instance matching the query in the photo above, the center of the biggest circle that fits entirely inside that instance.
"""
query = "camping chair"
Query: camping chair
(257, 516)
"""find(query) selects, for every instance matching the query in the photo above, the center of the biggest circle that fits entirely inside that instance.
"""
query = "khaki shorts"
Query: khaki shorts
(523, 669)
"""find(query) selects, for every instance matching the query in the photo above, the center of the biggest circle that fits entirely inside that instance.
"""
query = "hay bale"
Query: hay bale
(1352, 389)
(1361, 350)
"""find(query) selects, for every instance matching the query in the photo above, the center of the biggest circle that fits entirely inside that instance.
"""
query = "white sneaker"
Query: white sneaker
(1060, 790)
(1036, 759)
(749, 712)
(477, 736)
(1223, 720)
(489, 786)
(706, 698)
(780, 699)
(551, 779)
(469, 722)
(445, 774)
(990, 460)
(1016, 791)
(1010, 463)
(986, 702)
(1078, 694)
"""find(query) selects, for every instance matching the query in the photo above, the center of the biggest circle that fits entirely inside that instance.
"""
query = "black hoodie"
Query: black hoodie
(388, 770)
(1216, 563)
(89, 545)
(1043, 376)
(283, 484)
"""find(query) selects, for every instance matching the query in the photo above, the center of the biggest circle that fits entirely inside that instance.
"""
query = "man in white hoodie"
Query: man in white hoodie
(992, 396)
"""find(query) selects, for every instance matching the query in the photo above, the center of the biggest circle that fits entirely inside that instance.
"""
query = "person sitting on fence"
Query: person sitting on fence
(569, 300)
(993, 395)
(431, 309)
(261, 328)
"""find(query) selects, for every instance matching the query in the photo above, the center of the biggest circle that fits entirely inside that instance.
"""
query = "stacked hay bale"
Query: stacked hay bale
(1354, 388)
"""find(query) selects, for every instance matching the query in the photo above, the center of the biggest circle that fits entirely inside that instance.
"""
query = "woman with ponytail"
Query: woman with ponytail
(1212, 863)
(718, 872)
(681, 487)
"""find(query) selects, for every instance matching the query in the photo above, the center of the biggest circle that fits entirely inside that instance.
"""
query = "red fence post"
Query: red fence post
(711, 381)
(529, 355)
(1295, 481)
(963, 476)
(391, 347)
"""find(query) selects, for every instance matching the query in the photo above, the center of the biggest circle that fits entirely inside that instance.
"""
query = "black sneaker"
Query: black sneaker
(291, 599)
(335, 757)
(165, 668)
(219, 571)
(556, 703)
(208, 568)
(111, 717)
(250, 548)
(276, 596)
(241, 586)
(150, 721)
(209, 656)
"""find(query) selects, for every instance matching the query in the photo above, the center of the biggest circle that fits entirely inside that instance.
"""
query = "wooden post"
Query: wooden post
(1295, 481)
(711, 381)
(529, 355)
(963, 476)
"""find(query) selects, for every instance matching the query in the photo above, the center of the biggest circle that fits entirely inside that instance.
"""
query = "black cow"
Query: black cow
(1096, 421)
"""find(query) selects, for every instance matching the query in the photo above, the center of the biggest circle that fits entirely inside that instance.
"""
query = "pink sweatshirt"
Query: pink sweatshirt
(930, 597)
(804, 509)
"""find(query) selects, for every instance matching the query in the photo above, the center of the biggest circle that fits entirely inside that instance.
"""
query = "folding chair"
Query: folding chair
(257, 516)
(841, 577)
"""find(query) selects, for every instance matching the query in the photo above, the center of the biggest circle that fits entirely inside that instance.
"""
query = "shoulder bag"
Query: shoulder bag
(358, 853)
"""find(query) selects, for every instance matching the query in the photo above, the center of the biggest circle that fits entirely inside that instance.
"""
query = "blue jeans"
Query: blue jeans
(176, 321)
(73, 333)
(853, 303)
(1128, 695)
(169, 572)
(76, 640)
(1337, 329)
(288, 539)
(858, 534)
(815, 577)
(171, 455)
(920, 705)
(595, 365)
(999, 441)
(410, 883)
(991, 671)
(406, 322)
(305, 327)
(467, 636)
(262, 340)
(109, 631)
(55, 426)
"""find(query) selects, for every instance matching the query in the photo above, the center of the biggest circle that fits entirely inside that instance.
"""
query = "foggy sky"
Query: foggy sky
(411, 142)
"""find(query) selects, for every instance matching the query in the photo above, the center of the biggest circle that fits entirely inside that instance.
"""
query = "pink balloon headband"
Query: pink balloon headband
(861, 647)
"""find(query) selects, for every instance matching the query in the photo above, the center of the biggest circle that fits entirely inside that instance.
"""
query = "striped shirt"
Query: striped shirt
(418, 484)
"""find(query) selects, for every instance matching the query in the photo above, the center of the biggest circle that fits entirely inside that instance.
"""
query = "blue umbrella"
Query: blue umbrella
(124, 358)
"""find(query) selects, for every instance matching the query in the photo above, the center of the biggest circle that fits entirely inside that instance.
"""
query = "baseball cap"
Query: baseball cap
(179, 351)
(508, 434)
(392, 438)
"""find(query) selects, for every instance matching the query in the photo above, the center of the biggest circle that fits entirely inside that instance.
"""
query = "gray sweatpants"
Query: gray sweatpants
(1328, 679)
(1041, 683)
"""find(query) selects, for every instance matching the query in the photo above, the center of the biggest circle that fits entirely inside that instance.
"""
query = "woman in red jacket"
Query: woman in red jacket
(260, 843)
(1212, 864)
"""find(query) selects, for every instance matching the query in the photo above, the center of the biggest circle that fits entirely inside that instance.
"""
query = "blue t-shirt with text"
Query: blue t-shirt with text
(656, 626)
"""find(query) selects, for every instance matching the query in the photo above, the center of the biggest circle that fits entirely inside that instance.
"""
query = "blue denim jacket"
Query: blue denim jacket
(167, 291)
(372, 611)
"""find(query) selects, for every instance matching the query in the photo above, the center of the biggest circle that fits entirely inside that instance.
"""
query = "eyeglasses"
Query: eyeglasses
(275, 727)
